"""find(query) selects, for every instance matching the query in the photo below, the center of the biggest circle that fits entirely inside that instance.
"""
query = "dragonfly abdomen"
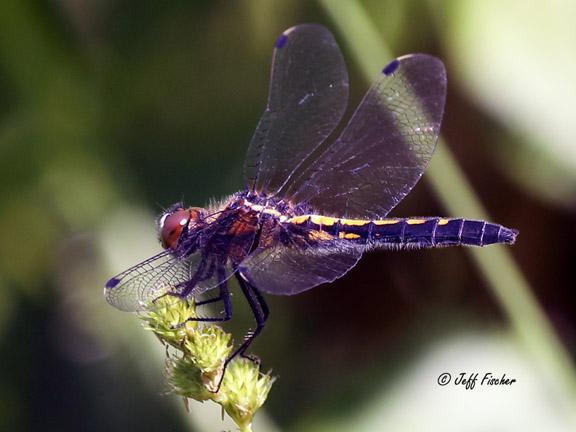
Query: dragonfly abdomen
(425, 232)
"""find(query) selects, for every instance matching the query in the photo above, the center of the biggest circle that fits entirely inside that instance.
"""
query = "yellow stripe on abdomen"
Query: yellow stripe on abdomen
(348, 236)
(415, 221)
(299, 220)
(323, 220)
(331, 221)
(355, 222)
(328, 220)
(319, 235)
(385, 221)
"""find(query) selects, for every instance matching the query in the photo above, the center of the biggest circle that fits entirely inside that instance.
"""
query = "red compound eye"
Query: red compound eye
(171, 226)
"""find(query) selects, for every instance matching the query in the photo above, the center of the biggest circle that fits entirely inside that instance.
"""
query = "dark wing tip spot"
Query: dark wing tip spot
(391, 67)
(281, 41)
(112, 283)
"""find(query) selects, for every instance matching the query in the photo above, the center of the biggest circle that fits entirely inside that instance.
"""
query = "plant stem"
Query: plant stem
(246, 428)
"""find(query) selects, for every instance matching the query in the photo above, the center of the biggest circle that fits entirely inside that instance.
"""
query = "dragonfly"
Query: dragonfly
(311, 205)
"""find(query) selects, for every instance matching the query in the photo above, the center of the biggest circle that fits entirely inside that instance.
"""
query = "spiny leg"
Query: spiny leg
(260, 299)
(183, 290)
(209, 301)
(209, 275)
(224, 295)
(259, 310)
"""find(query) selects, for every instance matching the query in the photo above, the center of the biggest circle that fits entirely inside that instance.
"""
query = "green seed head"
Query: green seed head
(167, 318)
(243, 391)
(186, 379)
(196, 371)
(208, 347)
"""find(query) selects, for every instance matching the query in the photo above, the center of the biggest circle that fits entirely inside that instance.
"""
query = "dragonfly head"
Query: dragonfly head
(174, 221)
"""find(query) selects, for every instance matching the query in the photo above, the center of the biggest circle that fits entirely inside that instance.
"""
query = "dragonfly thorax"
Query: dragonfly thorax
(277, 208)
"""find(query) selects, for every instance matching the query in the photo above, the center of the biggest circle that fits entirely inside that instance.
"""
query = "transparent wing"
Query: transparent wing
(136, 287)
(132, 289)
(385, 147)
(289, 270)
(307, 97)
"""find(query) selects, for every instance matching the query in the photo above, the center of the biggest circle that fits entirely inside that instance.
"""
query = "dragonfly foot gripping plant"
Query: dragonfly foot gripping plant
(197, 358)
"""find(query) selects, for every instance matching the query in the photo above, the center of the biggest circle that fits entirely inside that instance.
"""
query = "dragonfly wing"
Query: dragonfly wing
(376, 161)
(216, 274)
(136, 287)
(285, 270)
(385, 147)
(307, 97)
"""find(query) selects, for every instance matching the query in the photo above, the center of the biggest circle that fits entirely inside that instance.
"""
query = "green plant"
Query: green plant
(195, 366)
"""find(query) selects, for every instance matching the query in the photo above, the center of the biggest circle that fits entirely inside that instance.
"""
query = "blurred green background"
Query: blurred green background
(112, 110)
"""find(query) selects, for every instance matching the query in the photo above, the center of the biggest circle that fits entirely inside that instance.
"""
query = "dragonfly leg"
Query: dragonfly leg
(261, 302)
(226, 301)
(183, 290)
(224, 296)
(208, 301)
(259, 310)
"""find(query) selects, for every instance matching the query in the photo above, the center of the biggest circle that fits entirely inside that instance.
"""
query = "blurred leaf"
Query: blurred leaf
(7, 309)
(516, 58)
(27, 234)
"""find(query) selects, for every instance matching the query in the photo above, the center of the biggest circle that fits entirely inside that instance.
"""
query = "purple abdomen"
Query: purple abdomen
(438, 232)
